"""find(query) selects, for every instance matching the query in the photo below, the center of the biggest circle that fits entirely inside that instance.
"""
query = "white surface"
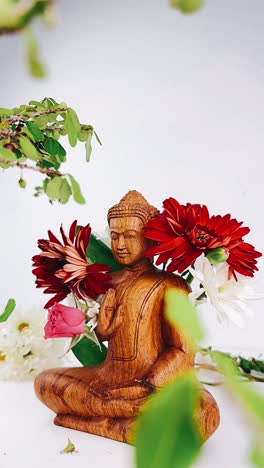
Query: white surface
(30, 440)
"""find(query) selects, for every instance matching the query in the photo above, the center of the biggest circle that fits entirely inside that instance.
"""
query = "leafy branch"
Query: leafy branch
(249, 369)
(15, 16)
(33, 168)
(187, 6)
(32, 132)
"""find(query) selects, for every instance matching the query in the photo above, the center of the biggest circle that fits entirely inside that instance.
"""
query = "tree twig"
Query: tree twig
(43, 170)
(27, 114)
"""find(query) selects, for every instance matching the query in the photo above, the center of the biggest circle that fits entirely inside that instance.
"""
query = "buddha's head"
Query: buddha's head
(126, 221)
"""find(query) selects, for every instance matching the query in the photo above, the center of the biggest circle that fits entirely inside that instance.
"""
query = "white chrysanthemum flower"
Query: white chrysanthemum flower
(228, 297)
(92, 313)
(23, 350)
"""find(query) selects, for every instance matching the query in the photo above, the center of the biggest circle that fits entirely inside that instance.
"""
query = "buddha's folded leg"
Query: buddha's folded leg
(71, 391)
(120, 429)
(207, 415)
(51, 385)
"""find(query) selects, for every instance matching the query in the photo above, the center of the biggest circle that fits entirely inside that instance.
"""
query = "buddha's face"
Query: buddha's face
(127, 240)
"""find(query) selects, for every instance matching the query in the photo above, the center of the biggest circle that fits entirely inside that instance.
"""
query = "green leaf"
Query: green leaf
(225, 365)
(6, 112)
(88, 146)
(28, 149)
(51, 102)
(73, 126)
(56, 134)
(45, 184)
(47, 163)
(42, 120)
(74, 119)
(91, 335)
(77, 194)
(65, 191)
(54, 148)
(252, 401)
(62, 106)
(60, 151)
(53, 189)
(257, 456)
(35, 131)
(167, 435)
(98, 252)
(37, 104)
(89, 353)
(7, 154)
(83, 135)
(34, 64)
(9, 308)
(52, 117)
(51, 146)
(181, 313)
(187, 6)
(38, 7)
(19, 155)
(73, 342)
(70, 448)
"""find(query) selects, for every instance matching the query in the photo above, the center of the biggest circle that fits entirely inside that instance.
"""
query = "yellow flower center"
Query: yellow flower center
(2, 356)
(22, 326)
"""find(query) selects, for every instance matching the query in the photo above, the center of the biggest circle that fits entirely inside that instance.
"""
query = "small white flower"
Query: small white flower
(228, 297)
(23, 350)
(93, 308)
(92, 313)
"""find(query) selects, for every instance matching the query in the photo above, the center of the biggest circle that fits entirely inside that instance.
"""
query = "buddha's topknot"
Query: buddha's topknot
(133, 204)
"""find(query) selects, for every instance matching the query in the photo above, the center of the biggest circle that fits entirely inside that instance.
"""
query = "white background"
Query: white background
(178, 103)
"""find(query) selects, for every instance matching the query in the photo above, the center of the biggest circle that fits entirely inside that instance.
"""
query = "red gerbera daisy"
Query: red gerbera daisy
(184, 232)
(63, 268)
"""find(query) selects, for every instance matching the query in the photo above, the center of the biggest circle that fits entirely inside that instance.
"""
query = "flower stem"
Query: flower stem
(244, 365)
(189, 278)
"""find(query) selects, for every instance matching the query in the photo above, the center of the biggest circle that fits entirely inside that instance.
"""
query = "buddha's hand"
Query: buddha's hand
(133, 391)
(109, 304)
(109, 317)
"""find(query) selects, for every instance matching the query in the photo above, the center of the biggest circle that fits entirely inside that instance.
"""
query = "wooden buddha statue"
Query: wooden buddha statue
(144, 350)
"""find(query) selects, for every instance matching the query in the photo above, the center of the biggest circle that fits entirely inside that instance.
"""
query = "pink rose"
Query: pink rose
(64, 321)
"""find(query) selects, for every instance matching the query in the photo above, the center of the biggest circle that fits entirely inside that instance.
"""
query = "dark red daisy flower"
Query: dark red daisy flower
(62, 267)
(45, 266)
(183, 232)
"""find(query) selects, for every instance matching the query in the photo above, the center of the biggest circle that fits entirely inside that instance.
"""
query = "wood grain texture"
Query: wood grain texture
(144, 351)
